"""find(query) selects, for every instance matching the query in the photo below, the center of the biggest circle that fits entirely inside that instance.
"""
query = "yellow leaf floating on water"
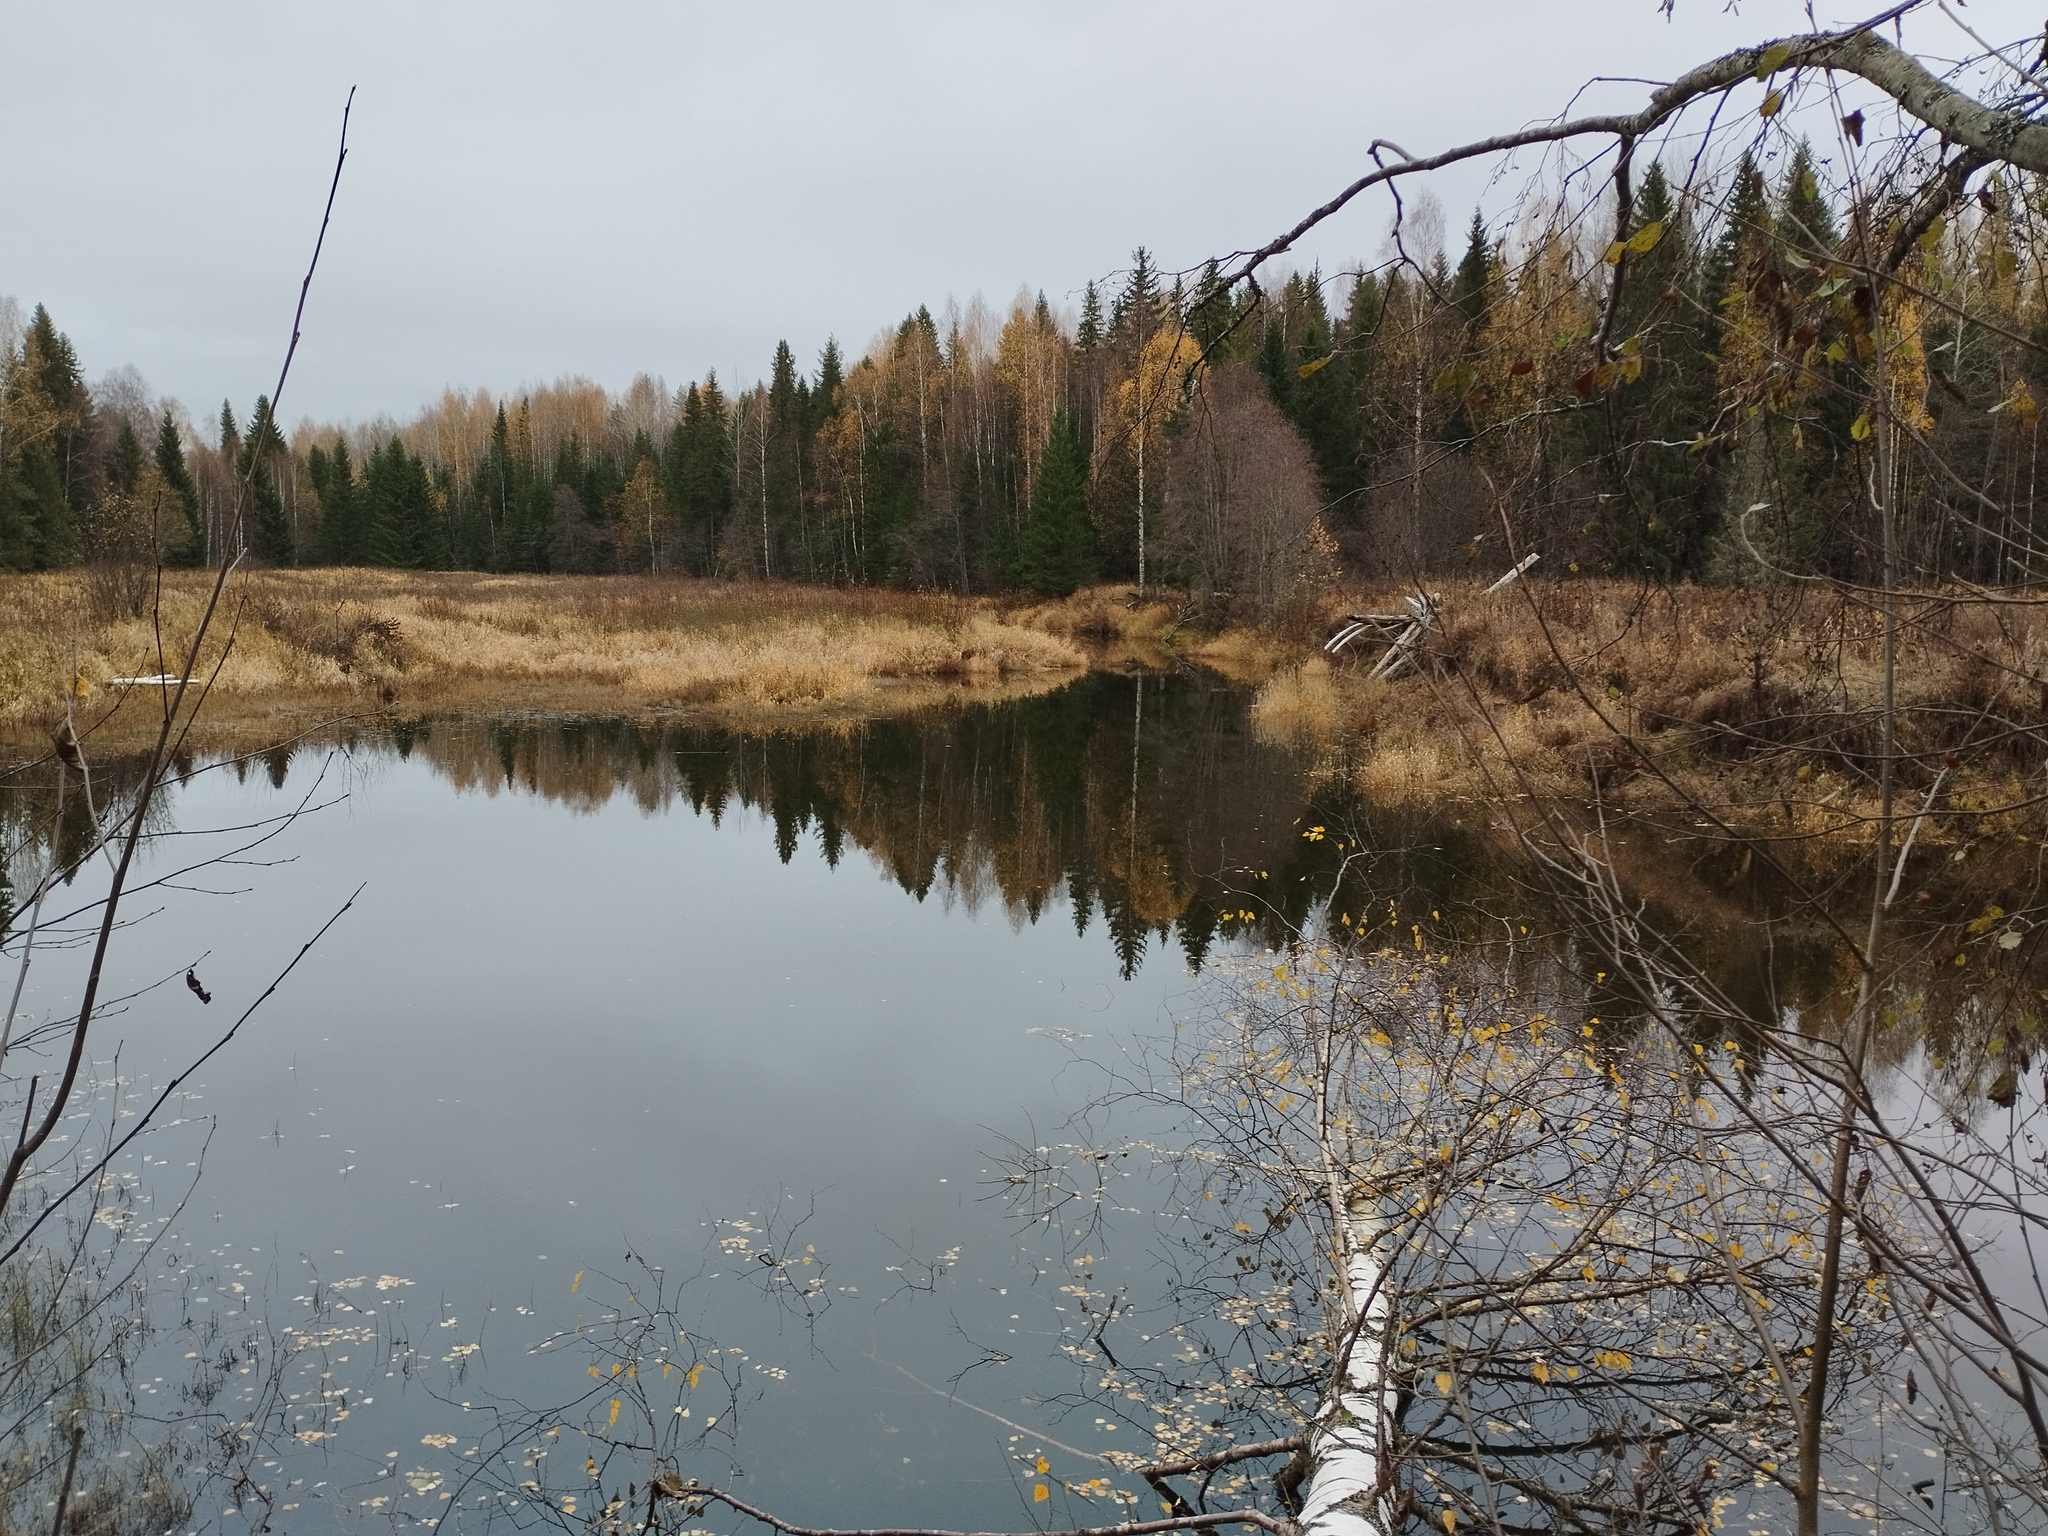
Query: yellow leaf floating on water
(1443, 1382)
(693, 1373)
(576, 1284)
(1541, 1372)
(615, 1411)
(1450, 1519)
(1612, 1359)
(1043, 1467)
(1040, 1494)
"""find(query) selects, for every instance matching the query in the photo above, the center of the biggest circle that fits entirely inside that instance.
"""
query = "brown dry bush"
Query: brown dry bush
(1578, 683)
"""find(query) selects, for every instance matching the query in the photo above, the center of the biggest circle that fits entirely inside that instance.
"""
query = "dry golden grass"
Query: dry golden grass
(1163, 629)
(1104, 615)
(311, 644)
(1758, 703)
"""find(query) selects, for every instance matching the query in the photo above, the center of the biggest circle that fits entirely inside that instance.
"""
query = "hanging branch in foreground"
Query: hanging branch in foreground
(1990, 132)
(30, 1141)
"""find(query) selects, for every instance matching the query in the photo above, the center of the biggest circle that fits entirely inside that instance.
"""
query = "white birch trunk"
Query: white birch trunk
(1343, 1496)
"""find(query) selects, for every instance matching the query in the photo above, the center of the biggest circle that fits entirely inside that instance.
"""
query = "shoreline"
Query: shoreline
(321, 648)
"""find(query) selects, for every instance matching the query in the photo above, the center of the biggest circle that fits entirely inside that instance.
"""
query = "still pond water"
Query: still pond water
(613, 994)
(611, 989)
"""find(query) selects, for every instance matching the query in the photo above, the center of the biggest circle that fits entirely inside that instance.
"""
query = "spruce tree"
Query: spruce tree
(1318, 402)
(1276, 357)
(825, 393)
(177, 478)
(1805, 224)
(704, 487)
(268, 527)
(1088, 335)
(38, 518)
(787, 436)
(1058, 549)
(52, 366)
(494, 494)
(1745, 225)
(1660, 510)
(1468, 285)
(124, 460)
(405, 528)
(1136, 311)
(343, 535)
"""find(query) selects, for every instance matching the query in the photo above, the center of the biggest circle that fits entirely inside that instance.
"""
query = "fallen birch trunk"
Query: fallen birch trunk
(1346, 1496)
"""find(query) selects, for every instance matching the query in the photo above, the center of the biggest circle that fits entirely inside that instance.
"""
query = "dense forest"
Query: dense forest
(1246, 445)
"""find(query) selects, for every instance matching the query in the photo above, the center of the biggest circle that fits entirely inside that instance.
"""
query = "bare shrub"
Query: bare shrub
(1240, 520)
(347, 634)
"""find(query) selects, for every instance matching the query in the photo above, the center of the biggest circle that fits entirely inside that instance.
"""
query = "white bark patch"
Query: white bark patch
(1342, 1495)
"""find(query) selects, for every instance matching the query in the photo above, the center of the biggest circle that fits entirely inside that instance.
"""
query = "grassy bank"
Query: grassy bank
(1758, 705)
(310, 645)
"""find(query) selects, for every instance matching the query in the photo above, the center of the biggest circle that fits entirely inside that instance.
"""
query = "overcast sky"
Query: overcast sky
(608, 188)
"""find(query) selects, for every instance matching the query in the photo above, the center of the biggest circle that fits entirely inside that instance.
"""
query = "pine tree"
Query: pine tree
(1058, 548)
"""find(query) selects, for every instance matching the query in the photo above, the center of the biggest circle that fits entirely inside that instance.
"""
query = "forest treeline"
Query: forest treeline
(1247, 446)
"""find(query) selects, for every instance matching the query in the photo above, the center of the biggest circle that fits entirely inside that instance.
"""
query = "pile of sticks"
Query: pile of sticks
(1404, 634)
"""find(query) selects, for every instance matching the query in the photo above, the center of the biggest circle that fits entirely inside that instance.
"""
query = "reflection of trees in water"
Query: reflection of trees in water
(1148, 802)
(1141, 800)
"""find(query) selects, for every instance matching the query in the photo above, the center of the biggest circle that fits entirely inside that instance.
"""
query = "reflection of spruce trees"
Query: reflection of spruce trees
(1025, 803)
(1160, 831)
